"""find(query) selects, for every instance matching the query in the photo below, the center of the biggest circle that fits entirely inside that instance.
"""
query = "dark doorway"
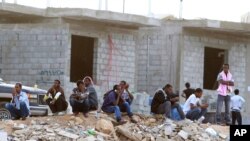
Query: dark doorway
(213, 60)
(82, 52)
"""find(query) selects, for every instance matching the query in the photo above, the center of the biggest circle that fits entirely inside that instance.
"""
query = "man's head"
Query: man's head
(168, 89)
(187, 85)
(18, 87)
(198, 92)
(236, 91)
(87, 81)
(117, 88)
(123, 84)
(57, 83)
(80, 84)
(225, 67)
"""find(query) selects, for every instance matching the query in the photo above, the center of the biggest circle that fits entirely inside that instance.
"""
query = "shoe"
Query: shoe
(15, 118)
(133, 120)
(85, 115)
(201, 119)
(122, 122)
(75, 113)
(55, 114)
(61, 113)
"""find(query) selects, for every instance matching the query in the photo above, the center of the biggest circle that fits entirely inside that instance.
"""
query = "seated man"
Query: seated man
(164, 100)
(126, 95)
(93, 101)
(192, 107)
(111, 102)
(79, 99)
(19, 106)
(55, 98)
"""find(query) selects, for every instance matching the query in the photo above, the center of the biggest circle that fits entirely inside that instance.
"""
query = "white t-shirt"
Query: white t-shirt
(191, 100)
(236, 102)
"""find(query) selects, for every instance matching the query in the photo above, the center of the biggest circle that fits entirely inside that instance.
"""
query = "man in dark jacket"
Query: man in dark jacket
(164, 100)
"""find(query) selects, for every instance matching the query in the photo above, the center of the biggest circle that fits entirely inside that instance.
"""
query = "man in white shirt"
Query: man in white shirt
(192, 108)
(236, 104)
(19, 106)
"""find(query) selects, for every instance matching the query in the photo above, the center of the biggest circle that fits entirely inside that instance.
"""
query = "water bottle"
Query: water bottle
(168, 129)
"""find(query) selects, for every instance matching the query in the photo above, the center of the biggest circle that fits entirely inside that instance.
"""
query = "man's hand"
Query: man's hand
(14, 93)
(126, 87)
(204, 106)
(53, 101)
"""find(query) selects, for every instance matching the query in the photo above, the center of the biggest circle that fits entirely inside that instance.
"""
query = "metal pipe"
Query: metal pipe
(100, 4)
(123, 7)
(180, 10)
(147, 68)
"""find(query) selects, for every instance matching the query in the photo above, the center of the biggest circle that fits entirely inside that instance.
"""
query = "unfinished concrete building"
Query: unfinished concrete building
(40, 45)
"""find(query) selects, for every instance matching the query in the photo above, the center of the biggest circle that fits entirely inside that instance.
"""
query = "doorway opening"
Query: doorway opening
(214, 58)
(82, 52)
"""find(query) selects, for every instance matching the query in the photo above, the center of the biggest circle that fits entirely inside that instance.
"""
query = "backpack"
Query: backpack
(106, 94)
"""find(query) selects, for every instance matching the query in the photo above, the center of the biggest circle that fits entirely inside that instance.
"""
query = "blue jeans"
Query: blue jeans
(196, 113)
(78, 106)
(116, 110)
(17, 113)
(179, 109)
(220, 100)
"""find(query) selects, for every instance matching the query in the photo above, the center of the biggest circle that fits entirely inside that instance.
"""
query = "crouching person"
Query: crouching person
(192, 107)
(79, 99)
(19, 106)
(111, 102)
(55, 99)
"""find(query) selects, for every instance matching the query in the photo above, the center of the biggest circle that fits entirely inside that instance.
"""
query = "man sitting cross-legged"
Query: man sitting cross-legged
(79, 99)
(192, 107)
(111, 102)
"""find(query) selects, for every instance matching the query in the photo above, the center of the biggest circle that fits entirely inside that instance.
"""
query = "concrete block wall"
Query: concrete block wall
(33, 53)
(193, 63)
(158, 58)
(110, 64)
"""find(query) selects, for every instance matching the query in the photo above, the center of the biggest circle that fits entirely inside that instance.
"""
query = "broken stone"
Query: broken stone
(125, 132)
(32, 122)
(78, 120)
(138, 136)
(160, 139)
(3, 136)
(155, 130)
(211, 131)
(183, 134)
(104, 126)
(89, 138)
(19, 126)
(223, 136)
(49, 130)
(152, 120)
(67, 134)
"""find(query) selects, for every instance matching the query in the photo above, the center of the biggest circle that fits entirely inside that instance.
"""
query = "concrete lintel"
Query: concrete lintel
(218, 26)
(10, 10)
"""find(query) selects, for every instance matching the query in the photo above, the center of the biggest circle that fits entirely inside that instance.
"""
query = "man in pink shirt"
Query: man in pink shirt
(224, 91)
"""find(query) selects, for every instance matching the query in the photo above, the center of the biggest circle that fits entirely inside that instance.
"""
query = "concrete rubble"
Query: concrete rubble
(149, 128)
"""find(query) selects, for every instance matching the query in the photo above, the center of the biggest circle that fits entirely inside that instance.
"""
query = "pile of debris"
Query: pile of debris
(105, 128)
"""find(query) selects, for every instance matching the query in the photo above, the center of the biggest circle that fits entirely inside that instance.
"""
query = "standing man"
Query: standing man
(79, 99)
(19, 106)
(224, 90)
(55, 98)
(192, 107)
(164, 100)
(126, 95)
(236, 105)
(93, 101)
(188, 91)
